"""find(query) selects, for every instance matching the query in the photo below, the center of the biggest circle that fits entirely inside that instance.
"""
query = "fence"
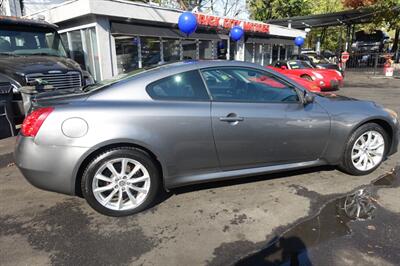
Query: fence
(370, 63)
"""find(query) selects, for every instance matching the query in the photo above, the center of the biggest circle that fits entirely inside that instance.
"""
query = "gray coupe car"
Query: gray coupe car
(120, 143)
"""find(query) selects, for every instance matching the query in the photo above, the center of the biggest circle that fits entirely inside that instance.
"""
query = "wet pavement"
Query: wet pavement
(354, 220)
(298, 217)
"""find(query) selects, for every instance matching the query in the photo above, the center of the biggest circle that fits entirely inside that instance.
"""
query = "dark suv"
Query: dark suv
(33, 58)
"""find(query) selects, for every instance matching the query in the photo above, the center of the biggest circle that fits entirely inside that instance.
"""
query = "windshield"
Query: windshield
(299, 64)
(30, 42)
(317, 59)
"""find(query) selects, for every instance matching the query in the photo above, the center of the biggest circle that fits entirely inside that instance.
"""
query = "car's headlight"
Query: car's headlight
(392, 113)
(318, 75)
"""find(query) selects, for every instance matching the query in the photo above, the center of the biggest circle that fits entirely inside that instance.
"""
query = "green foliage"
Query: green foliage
(273, 9)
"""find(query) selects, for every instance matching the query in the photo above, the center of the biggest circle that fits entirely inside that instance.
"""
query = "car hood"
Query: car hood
(18, 66)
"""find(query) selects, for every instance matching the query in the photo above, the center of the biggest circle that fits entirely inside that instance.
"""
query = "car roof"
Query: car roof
(17, 21)
(187, 65)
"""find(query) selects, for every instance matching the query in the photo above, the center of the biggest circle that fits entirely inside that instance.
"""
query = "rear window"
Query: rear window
(186, 86)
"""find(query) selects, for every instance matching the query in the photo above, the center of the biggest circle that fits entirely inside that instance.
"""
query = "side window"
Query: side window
(247, 85)
(186, 86)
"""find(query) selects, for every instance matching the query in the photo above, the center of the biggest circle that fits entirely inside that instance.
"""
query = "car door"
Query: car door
(180, 124)
(259, 120)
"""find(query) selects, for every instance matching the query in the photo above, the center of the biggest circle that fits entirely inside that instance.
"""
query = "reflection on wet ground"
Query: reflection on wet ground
(334, 221)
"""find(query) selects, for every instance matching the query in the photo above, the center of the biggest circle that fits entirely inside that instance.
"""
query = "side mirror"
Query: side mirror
(308, 98)
(284, 67)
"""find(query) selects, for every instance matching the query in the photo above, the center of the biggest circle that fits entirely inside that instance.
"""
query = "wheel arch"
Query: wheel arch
(381, 122)
(89, 156)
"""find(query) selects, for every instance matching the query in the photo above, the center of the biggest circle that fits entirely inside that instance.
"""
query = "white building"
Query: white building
(10, 8)
(110, 37)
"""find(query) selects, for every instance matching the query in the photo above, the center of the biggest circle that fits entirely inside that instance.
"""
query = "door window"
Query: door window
(247, 85)
(187, 86)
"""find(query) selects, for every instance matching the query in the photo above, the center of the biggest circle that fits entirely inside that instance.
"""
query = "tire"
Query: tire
(114, 192)
(371, 157)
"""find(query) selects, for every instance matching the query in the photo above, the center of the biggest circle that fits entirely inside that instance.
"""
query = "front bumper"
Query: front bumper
(395, 140)
(50, 168)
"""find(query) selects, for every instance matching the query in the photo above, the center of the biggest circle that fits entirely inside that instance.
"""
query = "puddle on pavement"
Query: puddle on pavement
(292, 247)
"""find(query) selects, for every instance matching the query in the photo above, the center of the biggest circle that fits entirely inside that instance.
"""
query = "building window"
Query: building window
(275, 52)
(248, 52)
(233, 48)
(222, 49)
(189, 49)
(258, 54)
(151, 52)
(171, 50)
(82, 46)
(267, 54)
(127, 53)
(76, 46)
(206, 49)
(289, 49)
(282, 52)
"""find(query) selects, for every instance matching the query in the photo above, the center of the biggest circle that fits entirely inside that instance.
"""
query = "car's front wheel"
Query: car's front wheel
(365, 149)
(121, 181)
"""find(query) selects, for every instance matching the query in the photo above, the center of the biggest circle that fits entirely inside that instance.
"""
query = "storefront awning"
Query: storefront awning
(144, 30)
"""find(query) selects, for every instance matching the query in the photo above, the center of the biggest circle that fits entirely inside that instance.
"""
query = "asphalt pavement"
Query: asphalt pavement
(300, 216)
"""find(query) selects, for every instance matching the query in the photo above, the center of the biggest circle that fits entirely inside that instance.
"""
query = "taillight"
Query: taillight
(34, 121)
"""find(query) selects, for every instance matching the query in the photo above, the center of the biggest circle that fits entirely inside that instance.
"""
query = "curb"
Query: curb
(6, 159)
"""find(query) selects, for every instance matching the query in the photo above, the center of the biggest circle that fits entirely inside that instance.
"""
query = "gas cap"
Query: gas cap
(74, 127)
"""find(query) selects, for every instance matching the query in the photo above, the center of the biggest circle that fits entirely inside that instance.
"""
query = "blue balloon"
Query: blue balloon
(236, 33)
(187, 23)
(299, 41)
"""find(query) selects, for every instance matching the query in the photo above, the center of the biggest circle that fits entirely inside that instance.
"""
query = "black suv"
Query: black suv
(32, 56)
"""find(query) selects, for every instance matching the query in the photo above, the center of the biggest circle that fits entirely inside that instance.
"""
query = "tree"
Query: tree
(274, 9)
(386, 12)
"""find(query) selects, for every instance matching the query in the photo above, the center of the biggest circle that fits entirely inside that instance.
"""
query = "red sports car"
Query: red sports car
(303, 82)
(326, 79)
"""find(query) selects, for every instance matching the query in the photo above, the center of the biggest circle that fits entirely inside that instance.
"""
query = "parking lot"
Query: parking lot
(224, 223)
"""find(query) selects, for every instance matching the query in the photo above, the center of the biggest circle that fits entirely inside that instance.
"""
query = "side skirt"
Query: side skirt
(226, 175)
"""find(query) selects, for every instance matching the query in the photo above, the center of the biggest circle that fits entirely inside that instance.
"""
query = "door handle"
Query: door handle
(231, 119)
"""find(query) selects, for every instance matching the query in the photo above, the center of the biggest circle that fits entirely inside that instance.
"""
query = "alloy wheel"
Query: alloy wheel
(121, 184)
(368, 150)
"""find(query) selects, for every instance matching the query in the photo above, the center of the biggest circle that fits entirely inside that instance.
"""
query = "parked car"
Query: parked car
(309, 85)
(317, 61)
(375, 42)
(121, 143)
(326, 79)
(32, 55)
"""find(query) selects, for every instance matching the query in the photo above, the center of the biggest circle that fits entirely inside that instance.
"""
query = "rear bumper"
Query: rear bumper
(50, 168)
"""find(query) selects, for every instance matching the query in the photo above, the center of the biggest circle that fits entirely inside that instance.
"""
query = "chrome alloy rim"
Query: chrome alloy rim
(368, 150)
(121, 184)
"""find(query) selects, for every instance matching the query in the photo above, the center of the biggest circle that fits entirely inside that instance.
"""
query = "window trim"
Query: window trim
(297, 90)
(147, 88)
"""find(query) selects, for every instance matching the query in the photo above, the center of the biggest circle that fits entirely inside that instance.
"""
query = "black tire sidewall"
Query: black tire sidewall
(347, 164)
(123, 152)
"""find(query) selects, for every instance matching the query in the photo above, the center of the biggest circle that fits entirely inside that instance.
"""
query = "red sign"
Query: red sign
(345, 56)
(228, 23)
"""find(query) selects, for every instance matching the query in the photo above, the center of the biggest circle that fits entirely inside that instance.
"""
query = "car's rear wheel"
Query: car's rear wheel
(121, 181)
(365, 150)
